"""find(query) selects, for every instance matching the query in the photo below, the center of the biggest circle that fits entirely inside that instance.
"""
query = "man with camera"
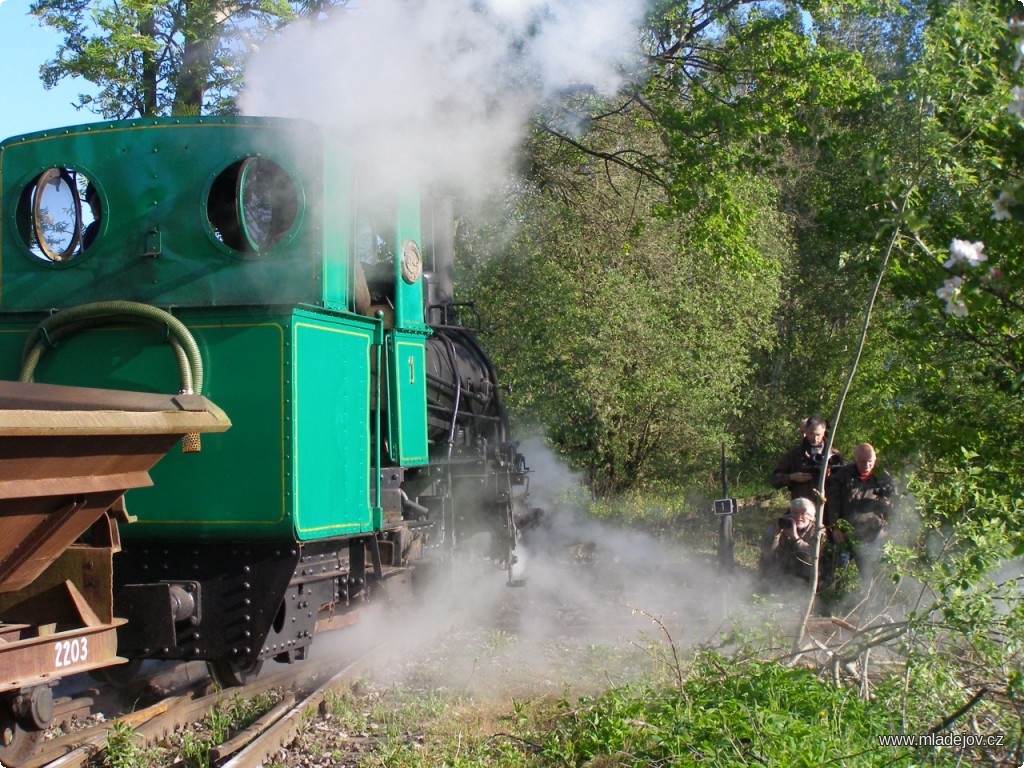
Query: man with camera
(788, 544)
(862, 497)
(800, 469)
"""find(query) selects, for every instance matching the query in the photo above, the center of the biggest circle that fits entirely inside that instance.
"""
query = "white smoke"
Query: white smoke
(441, 91)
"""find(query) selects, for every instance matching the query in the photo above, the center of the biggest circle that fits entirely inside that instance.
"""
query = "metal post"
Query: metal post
(725, 555)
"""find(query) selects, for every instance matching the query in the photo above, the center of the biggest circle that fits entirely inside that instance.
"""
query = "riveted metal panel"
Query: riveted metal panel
(409, 292)
(160, 183)
(408, 398)
(332, 437)
(238, 484)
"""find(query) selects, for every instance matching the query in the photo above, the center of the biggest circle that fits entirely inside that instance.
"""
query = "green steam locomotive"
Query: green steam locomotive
(257, 263)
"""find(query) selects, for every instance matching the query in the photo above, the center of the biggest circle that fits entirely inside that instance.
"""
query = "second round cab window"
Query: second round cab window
(253, 206)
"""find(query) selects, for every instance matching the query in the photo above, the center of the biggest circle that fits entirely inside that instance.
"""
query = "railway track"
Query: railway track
(301, 687)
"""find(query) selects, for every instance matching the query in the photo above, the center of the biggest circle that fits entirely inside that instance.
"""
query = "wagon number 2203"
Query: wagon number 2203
(72, 651)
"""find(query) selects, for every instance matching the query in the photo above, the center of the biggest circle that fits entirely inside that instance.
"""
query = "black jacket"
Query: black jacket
(801, 459)
(866, 504)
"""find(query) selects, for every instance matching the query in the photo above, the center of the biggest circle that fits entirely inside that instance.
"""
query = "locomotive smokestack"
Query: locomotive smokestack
(444, 249)
(440, 288)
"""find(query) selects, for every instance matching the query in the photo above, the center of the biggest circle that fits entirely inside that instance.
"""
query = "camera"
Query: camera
(816, 461)
(785, 521)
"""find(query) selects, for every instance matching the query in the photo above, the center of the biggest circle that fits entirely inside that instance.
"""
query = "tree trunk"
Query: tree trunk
(150, 70)
(196, 66)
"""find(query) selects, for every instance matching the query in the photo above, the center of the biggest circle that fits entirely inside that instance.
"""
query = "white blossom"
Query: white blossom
(950, 292)
(1016, 107)
(966, 251)
(1001, 206)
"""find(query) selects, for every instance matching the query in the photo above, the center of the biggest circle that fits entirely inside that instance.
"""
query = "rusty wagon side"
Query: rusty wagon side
(67, 456)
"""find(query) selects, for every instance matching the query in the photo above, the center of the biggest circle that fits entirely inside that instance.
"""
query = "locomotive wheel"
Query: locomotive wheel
(16, 744)
(232, 674)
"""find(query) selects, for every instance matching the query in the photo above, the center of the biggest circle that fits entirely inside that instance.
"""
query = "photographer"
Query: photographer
(862, 497)
(800, 469)
(788, 544)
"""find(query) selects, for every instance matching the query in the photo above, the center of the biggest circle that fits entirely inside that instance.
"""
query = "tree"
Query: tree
(159, 57)
(702, 159)
(958, 276)
(628, 335)
(759, 89)
(829, 185)
(947, 191)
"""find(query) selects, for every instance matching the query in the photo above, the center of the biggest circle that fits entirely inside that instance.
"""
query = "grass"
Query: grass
(716, 711)
(123, 749)
(190, 748)
(727, 714)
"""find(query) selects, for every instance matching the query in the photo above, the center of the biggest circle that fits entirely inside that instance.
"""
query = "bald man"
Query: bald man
(862, 496)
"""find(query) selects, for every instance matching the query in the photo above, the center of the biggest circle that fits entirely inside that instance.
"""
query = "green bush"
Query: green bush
(730, 713)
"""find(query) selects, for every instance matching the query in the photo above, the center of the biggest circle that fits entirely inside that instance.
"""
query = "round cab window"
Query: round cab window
(59, 215)
(253, 205)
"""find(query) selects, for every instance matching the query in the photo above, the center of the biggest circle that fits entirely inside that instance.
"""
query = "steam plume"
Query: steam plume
(441, 91)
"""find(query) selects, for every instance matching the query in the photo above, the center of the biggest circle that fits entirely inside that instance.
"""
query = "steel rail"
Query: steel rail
(285, 729)
(161, 720)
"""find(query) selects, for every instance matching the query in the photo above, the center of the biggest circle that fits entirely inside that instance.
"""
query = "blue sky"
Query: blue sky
(27, 105)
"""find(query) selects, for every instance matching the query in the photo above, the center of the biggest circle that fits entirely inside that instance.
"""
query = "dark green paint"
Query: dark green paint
(282, 353)
(155, 243)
